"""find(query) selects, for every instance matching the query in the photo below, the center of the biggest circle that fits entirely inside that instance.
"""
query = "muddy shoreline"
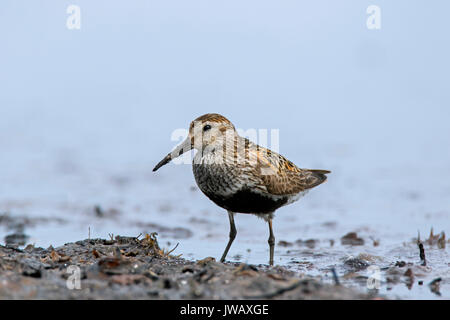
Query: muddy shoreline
(141, 268)
(137, 268)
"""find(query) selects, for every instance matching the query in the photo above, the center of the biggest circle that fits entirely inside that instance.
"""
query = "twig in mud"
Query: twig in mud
(335, 276)
(422, 253)
(167, 254)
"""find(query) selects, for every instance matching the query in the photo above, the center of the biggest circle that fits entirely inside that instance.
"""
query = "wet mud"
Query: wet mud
(355, 265)
(138, 268)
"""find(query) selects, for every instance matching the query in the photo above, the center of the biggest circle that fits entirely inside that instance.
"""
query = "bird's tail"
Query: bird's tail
(320, 175)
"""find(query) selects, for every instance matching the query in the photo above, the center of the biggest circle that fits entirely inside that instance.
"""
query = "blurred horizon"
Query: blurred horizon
(372, 106)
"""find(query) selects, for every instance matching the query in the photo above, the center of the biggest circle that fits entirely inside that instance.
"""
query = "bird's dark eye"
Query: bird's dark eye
(207, 127)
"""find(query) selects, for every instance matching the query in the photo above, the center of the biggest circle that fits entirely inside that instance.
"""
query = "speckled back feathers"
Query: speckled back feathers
(240, 166)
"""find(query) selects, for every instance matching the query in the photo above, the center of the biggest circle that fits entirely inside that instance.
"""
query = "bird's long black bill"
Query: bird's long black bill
(164, 161)
(178, 151)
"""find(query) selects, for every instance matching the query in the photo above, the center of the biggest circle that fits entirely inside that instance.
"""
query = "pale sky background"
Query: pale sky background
(344, 97)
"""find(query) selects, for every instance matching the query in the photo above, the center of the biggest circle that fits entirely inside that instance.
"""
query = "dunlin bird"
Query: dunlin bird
(240, 176)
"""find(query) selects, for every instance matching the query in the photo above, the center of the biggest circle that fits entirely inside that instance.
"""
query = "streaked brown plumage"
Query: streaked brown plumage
(240, 176)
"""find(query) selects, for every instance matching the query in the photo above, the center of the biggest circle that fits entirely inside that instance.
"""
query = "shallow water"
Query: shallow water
(85, 115)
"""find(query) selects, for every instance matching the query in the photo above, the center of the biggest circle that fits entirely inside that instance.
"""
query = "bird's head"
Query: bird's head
(207, 132)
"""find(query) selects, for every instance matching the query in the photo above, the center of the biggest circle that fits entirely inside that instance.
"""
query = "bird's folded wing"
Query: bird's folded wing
(281, 177)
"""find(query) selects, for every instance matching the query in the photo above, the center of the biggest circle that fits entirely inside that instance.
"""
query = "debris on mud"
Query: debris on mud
(13, 221)
(133, 268)
(16, 225)
(355, 264)
(409, 274)
(283, 243)
(438, 239)
(102, 213)
(352, 238)
(16, 239)
(310, 243)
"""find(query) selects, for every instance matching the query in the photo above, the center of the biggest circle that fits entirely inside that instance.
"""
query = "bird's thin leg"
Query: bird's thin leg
(232, 235)
(271, 241)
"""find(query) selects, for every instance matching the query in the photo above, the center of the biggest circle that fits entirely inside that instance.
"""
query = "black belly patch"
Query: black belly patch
(246, 201)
